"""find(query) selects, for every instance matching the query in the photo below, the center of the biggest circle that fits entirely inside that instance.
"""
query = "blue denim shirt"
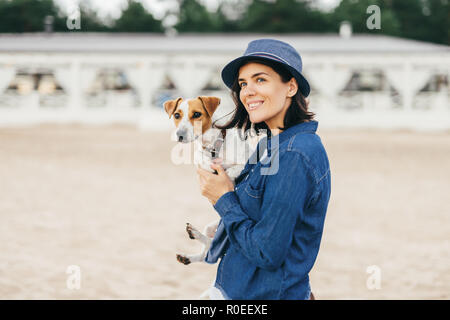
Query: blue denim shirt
(271, 224)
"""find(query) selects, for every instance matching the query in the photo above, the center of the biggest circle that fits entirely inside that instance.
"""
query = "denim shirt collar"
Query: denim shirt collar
(310, 127)
(265, 144)
(305, 127)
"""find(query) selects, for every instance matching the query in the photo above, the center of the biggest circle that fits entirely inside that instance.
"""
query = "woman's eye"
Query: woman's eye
(260, 80)
(176, 116)
(196, 115)
(242, 84)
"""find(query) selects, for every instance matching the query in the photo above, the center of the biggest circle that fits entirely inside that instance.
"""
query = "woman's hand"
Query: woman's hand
(213, 186)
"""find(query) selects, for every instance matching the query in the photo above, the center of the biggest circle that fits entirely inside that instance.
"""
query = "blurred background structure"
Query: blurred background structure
(373, 79)
(358, 80)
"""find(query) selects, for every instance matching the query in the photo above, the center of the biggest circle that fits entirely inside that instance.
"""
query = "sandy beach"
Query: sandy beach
(110, 201)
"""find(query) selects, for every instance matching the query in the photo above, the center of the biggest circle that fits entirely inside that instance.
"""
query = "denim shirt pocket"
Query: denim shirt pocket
(254, 182)
(253, 192)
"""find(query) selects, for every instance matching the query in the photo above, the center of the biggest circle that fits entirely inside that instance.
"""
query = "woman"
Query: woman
(272, 219)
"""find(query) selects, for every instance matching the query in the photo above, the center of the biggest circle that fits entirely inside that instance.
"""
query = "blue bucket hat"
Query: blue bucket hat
(269, 49)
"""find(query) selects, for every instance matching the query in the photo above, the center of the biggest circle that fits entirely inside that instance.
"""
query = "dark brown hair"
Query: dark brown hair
(296, 113)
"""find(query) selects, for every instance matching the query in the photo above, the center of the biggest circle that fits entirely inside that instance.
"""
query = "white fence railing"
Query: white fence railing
(75, 101)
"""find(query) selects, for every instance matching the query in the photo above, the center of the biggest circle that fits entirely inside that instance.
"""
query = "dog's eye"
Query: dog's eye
(196, 115)
(176, 116)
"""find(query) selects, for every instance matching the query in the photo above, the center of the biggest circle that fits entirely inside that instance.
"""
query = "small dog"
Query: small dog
(193, 119)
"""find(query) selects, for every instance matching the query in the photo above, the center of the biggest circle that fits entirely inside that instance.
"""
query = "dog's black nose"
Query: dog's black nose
(182, 134)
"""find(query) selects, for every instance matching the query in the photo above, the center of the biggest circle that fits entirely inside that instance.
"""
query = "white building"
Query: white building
(357, 81)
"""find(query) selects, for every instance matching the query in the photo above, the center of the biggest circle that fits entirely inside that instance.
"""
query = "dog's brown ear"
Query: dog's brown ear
(210, 104)
(171, 105)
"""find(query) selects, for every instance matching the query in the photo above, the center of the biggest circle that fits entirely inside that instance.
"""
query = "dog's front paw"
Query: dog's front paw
(192, 232)
(211, 229)
(183, 259)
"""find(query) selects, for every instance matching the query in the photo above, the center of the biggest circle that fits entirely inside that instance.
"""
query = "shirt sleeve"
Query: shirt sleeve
(266, 242)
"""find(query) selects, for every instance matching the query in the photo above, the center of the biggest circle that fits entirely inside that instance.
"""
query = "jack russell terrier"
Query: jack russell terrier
(193, 120)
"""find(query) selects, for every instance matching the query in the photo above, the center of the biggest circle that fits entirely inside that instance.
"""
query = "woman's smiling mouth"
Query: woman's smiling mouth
(254, 104)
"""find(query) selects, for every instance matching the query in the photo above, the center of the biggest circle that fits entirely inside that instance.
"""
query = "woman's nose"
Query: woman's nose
(248, 90)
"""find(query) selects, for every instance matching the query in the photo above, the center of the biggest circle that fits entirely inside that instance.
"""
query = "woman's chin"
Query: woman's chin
(254, 118)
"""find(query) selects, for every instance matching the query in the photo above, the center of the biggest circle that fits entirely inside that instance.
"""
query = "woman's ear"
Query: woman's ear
(293, 88)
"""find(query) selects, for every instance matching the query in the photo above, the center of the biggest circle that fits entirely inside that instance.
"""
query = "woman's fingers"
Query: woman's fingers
(218, 168)
(203, 173)
(203, 181)
(213, 186)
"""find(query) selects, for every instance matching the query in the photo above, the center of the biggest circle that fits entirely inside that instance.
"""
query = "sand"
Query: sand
(109, 201)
